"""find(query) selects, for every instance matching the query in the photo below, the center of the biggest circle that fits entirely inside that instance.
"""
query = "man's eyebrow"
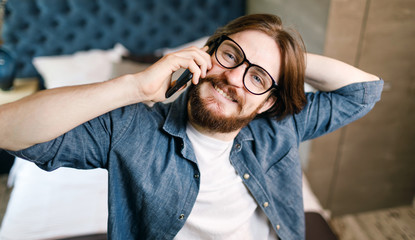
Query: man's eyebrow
(236, 48)
(261, 69)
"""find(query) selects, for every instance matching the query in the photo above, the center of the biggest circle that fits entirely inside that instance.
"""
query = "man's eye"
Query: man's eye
(257, 80)
(230, 57)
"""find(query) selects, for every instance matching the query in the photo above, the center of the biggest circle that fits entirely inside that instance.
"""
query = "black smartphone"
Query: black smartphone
(183, 79)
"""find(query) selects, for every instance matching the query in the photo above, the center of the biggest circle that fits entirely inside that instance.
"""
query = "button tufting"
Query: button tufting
(70, 37)
(54, 19)
(81, 23)
(149, 6)
(34, 11)
(99, 35)
(137, 19)
(58, 50)
(109, 20)
(23, 26)
(65, 11)
(126, 33)
(202, 3)
(30, 52)
(41, 39)
(54, 23)
(95, 9)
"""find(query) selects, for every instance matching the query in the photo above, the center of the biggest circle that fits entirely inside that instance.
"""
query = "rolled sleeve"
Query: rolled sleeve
(328, 111)
(79, 148)
(85, 146)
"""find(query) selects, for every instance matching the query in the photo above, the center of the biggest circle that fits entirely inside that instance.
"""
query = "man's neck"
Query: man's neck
(217, 135)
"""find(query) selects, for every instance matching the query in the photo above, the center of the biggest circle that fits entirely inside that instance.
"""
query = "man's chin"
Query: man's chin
(213, 114)
(216, 108)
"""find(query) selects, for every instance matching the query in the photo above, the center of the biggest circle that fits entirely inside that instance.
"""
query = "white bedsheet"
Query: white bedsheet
(65, 202)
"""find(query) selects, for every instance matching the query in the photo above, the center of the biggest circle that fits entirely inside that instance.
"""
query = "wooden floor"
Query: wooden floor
(388, 224)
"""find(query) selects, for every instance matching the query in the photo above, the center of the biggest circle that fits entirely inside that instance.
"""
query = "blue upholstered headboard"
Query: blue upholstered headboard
(54, 27)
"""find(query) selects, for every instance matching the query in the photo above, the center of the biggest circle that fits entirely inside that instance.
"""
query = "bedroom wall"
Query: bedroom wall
(308, 17)
(368, 164)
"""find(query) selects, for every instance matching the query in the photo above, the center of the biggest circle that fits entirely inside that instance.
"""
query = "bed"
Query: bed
(55, 41)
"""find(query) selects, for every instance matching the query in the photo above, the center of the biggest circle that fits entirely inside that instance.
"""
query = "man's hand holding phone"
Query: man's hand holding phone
(156, 79)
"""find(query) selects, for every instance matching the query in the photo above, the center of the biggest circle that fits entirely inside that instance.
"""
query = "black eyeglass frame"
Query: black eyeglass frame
(219, 41)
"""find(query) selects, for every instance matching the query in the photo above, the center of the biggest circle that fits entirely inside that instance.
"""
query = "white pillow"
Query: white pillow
(79, 68)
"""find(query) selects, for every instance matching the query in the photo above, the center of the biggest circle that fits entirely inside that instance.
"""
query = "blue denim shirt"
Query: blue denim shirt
(153, 173)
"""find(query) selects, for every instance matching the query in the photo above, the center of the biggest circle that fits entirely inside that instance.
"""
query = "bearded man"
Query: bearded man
(219, 162)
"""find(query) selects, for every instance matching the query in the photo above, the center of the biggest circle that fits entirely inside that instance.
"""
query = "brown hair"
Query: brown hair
(289, 95)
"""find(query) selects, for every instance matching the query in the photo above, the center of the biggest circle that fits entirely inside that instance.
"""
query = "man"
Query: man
(222, 160)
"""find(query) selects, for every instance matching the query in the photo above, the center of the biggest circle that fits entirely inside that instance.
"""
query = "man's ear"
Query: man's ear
(267, 104)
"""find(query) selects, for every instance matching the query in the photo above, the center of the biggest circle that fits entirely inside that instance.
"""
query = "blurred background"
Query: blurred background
(369, 165)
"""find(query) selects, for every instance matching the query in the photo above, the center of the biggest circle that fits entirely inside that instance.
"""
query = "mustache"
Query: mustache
(221, 83)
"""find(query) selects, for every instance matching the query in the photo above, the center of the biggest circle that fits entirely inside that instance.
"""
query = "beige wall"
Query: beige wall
(309, 17)
(370, 164)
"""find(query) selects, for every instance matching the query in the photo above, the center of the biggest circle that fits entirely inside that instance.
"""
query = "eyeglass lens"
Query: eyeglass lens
(256, 79)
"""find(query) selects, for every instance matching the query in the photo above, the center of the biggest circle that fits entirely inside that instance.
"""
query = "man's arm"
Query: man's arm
(51, 113)
(338, 101)
(327, 74)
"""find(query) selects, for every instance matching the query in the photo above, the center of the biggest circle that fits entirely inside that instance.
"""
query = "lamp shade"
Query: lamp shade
(7, 69)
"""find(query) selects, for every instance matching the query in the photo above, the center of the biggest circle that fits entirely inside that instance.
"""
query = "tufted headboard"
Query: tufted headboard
(34, 28)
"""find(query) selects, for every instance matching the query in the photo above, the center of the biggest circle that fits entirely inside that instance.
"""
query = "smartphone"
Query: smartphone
(183, 79)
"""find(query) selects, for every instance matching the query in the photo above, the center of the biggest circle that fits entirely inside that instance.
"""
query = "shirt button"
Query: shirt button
(238, 146)
(265, 204)
(246, 176)
(197, 176)
(278, 227)
(181, 217)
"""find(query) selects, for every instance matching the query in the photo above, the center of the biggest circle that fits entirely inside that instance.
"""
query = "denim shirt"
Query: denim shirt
(153, 172)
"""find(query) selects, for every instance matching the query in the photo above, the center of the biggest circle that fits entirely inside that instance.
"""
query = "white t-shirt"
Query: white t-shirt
(224, 208)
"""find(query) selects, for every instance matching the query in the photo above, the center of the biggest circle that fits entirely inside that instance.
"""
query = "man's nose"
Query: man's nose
(235, 75)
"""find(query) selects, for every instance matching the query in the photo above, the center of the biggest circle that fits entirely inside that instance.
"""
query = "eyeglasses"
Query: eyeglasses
(230, 55)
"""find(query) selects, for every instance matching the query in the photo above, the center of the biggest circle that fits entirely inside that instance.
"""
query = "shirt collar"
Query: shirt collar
(176, 119)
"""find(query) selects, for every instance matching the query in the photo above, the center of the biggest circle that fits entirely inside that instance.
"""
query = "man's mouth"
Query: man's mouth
(225, 95)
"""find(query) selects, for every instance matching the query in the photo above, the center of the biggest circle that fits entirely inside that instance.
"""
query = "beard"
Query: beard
(201, 114)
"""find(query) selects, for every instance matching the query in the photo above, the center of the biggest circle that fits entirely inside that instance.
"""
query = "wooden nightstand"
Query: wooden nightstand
(21, 88)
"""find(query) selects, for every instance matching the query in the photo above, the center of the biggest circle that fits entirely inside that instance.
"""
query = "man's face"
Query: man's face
(222, 94)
